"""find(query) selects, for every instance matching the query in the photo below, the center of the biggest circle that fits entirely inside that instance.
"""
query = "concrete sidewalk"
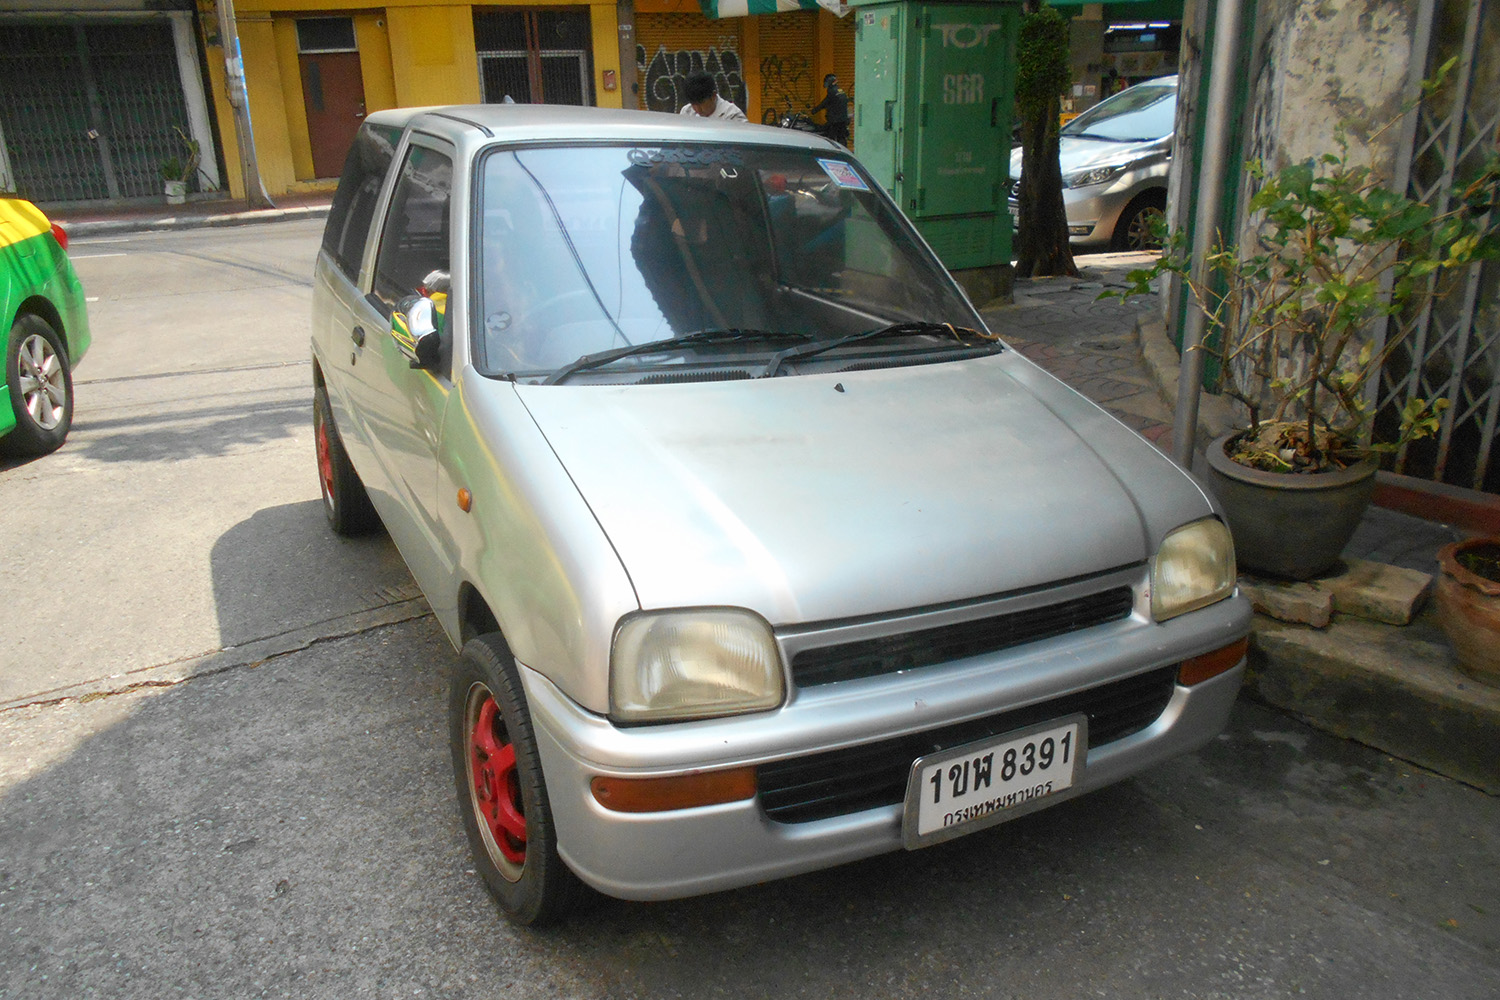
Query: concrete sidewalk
(144, 215)
(1395, 688)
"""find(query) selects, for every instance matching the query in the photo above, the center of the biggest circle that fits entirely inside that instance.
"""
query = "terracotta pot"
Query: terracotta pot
(1468, 607)
(1291, 525)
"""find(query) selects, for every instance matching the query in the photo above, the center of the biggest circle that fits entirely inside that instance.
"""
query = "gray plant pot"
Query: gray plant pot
(1291, 525)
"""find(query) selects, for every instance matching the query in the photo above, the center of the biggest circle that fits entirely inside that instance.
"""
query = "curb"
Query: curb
(1394, 689)
(98, 227)
(247, 656)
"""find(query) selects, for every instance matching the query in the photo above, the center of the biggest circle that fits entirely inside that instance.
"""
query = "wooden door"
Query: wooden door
(334, 94)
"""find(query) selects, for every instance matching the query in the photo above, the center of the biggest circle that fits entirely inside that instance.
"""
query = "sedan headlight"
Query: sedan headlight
(1193, 568)
(1094, 175)
(693, 665)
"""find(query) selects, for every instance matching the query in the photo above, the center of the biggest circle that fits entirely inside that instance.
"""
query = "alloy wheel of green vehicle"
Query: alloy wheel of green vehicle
(501, 791)
(40, 387)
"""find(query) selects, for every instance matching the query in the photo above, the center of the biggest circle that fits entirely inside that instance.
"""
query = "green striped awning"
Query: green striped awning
(742, 8)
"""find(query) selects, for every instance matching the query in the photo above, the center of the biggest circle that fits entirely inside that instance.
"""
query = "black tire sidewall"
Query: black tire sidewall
(546, 889)
(27, 437)
(346, 505)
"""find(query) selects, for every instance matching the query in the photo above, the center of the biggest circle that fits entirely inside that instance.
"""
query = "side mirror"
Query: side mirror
(414, 328)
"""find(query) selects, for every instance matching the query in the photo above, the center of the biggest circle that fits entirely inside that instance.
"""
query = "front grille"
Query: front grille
(845, 781)
(945, 643)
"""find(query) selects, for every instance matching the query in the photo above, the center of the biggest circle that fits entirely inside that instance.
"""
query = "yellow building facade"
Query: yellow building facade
(313, 68)
(409, 53)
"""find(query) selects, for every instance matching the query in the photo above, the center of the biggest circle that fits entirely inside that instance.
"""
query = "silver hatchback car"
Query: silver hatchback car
(762, 553)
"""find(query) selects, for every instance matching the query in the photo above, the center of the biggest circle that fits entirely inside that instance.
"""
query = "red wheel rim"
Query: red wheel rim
(325, 462)
(497, 786)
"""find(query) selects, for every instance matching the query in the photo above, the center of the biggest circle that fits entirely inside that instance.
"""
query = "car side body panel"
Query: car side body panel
(37, 277)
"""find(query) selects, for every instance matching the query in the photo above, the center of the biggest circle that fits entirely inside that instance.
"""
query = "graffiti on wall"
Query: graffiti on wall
(663, 79)
(783, 85)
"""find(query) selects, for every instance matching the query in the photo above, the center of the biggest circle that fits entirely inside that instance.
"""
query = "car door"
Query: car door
(339, 332)
(401, 407)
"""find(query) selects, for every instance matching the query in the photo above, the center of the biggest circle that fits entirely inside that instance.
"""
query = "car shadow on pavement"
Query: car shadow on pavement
(290, 828)
(207, 431)
(286, 824)
(283, 570)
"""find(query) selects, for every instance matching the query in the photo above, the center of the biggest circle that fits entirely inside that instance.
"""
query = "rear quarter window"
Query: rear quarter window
(353, 206)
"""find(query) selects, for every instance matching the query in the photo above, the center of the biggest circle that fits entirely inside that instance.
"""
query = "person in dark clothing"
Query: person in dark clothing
(836, 104)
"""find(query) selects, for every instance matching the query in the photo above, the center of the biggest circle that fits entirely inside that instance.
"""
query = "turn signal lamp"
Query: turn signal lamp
(1197, 669)
(687, 791)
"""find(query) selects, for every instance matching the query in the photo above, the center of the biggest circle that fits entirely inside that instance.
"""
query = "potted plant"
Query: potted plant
(1289, 312)
(1467, 596)
(177, 171)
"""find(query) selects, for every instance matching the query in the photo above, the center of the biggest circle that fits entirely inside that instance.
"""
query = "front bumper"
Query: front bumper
(686, 852)
(1092, 212)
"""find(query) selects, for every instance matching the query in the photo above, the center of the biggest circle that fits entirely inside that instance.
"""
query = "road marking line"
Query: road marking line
(96, 256)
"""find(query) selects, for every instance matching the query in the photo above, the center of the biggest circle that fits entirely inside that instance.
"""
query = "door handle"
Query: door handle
(358, 336)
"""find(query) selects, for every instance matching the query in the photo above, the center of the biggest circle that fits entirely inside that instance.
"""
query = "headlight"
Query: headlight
(1193, 568)
(1094, 175)
(693, 665)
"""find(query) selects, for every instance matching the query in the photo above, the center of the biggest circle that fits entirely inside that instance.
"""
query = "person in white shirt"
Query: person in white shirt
(704, 100)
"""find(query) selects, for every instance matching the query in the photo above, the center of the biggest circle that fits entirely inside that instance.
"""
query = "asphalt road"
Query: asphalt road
(224, 768)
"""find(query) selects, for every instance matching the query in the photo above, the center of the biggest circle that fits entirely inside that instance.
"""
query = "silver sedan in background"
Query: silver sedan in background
(1114, 159)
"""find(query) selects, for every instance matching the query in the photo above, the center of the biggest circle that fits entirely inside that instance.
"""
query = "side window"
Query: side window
(354, 203)
(414, 242)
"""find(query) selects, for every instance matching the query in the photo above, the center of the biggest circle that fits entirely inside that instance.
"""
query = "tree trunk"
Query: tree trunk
(1042, 232)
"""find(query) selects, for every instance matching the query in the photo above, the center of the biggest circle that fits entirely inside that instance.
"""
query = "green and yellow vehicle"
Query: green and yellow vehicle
(47, 330)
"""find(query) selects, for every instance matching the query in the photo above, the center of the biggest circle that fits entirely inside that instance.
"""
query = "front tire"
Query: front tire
(345, 501)
(501, 791)
(1136, 229)
(39, 385)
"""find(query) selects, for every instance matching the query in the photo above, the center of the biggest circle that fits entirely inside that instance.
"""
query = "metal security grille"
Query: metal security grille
(534, 57)
(89, 110)
(1450, 350)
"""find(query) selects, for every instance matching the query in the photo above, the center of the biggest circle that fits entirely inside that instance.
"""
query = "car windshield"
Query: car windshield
(592, 249)
(1144, 112)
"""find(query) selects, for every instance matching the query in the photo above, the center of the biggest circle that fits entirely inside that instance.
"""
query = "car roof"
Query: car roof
(507, 123)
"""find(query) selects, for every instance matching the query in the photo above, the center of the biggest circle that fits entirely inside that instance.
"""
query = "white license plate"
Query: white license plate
(957, 791)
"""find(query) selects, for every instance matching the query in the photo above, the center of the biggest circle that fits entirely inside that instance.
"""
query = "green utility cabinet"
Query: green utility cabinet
(934, 86)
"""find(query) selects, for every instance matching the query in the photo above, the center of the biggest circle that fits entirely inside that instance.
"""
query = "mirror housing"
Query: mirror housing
(415, 329)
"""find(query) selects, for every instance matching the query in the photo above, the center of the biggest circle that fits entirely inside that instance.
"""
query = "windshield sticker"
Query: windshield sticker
(843, 175)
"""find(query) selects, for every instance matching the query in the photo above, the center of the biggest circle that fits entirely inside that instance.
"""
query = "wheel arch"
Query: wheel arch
(42, 308)
(475, 618)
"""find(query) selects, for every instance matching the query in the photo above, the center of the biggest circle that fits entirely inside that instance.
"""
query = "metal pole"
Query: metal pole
(239, 100)
(1210, 189)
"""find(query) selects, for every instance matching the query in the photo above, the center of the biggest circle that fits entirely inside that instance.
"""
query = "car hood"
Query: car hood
(818, 497)
(1075, 154)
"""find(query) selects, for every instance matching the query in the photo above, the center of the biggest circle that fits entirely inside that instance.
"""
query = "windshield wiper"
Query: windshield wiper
(710, 336)
(1096, 135)
(959, 333)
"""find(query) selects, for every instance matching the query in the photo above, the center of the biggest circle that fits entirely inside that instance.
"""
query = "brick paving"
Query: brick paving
(1089, 343)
